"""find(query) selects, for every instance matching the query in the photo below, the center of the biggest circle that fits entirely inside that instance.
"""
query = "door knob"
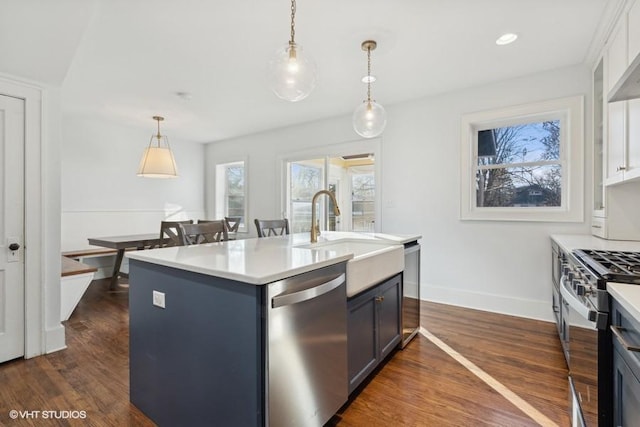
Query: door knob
(14, 247)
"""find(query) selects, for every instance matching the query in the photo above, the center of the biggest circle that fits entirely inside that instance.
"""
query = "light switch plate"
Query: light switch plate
(158, 299)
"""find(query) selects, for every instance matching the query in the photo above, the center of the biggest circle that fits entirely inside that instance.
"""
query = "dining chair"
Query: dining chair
(171, 233)
(272, 227)
(233, 224)
(204, 232)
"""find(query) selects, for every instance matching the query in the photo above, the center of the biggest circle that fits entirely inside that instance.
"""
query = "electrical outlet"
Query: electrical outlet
(158, 299)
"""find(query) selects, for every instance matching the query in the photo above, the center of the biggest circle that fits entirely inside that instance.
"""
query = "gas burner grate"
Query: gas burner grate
(615, 266)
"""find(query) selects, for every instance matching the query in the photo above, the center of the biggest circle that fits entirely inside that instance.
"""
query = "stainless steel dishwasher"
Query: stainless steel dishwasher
(306, 357)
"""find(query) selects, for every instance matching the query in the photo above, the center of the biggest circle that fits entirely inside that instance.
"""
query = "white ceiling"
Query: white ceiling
(124, 60)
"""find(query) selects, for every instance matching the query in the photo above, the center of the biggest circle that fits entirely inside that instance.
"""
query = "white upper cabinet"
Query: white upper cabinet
(615, 206)
(616, 125)
(633, 106)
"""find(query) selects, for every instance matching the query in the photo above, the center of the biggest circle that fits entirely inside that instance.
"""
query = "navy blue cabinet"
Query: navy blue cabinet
(626, 368)
(374, 327)
(214, 353)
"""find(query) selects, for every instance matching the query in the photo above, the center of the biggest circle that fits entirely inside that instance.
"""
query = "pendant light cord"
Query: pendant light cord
(369, 74)
(293, 23)
(158, 135)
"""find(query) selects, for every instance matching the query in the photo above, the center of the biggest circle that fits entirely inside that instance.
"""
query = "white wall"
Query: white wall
(495, 266)
(101, 194)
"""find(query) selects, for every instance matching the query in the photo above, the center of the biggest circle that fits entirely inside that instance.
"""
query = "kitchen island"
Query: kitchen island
(250, 332)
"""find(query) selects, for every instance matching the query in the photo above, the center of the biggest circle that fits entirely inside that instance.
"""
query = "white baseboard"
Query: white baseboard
(54, 339)
(531, 309)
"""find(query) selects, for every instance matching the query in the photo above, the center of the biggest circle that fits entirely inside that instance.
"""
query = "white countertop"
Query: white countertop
(264, 260)
(628, 296)
(569, 242)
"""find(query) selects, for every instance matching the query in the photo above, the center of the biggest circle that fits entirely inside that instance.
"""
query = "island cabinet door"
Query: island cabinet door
(374, 328)
(389, 321)
(626, 367)
(626, 402)
(362, 339)
(196, 348)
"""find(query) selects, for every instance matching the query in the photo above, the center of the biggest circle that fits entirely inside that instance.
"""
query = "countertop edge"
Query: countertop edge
(628, 296)
(569, 242)
(252, 280)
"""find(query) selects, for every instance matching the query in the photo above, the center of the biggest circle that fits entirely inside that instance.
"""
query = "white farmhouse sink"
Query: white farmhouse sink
(372, 261)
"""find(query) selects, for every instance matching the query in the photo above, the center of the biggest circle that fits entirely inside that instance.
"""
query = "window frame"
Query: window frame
(221, 196)
(570, 112)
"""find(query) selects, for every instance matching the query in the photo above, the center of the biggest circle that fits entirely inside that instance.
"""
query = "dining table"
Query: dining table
(123, 243)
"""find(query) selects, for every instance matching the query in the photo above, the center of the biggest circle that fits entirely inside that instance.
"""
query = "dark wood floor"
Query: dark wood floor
(419, 386)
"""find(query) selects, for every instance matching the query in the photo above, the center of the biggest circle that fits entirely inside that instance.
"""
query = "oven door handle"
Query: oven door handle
(599, 320)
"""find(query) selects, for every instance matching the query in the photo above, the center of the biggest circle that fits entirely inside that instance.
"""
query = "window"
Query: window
(349, 171)
(231, 192)
(306, 178)
(524, 163)
(363, 198)
(352, 175)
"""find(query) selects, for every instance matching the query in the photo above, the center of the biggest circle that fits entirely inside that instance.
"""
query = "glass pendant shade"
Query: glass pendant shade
(292, 74)
(369, 119)
(157, 160)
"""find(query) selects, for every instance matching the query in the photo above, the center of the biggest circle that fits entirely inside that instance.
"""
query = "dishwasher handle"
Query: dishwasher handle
(307, 294)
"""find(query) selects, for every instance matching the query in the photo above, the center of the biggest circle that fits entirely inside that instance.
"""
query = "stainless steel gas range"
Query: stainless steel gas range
(582, 313)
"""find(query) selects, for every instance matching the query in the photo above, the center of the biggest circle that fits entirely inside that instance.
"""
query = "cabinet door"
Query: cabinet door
(626, 393)
(616, 124)
(616, 142)
(633, 140)
(361, 337)
(633, 114)
(389, 319)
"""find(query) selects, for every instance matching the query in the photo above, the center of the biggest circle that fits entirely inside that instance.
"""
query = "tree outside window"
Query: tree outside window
(363, 213)
(306, 180)
(235, 194)
(519, 166)
(231, 192)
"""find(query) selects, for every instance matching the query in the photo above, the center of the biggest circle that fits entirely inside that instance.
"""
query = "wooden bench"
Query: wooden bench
(74, 281)
(72, 267)
(89, 253)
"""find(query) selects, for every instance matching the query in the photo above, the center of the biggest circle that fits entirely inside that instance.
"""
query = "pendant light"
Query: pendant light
(157, 160)
(369, 118)
(292, 74)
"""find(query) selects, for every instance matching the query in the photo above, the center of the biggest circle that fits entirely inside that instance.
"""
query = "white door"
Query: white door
(11, 228)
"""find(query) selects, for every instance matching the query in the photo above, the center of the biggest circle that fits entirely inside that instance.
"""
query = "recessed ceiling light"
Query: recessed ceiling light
(506, 39)
(368, 79)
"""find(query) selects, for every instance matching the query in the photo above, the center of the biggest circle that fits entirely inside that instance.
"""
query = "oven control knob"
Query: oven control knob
(579, 288)
(571, 275)
(565, 269)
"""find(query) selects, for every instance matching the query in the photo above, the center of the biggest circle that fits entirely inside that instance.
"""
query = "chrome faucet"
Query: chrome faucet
(315, 224)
